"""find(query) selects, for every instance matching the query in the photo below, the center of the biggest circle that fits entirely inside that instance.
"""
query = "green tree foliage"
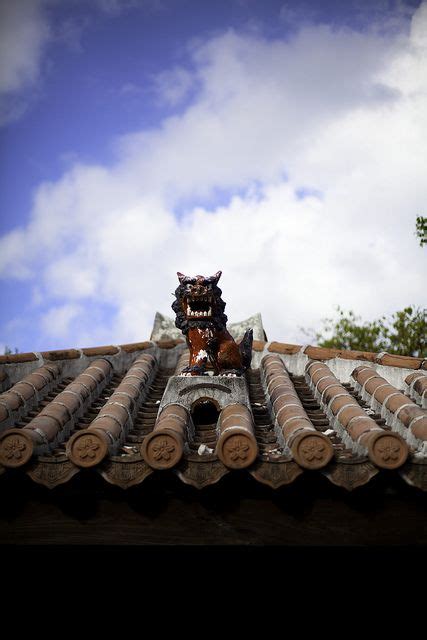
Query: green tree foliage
(8, 351)
(421, 230)
(404, 333)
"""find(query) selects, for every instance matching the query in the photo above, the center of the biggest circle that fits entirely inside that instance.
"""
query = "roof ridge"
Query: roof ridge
(73, 353)
(327, 353)
(312, 351)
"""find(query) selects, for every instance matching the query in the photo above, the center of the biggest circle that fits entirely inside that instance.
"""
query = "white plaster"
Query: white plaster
(185, 392)
(202, 355)
(421, 400)
(204, 450)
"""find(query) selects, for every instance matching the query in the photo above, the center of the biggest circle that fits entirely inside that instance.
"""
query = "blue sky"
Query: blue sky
(282, 142)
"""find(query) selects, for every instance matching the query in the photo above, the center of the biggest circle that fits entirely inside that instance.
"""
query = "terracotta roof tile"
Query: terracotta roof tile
(386, 450)
(107, 430)
(27, 393)
(322, 353)
(183, 361)
(101, 351)
(70, 354)
(405, 415)
(310, 448)
(168, 344)
(285, 412)
(258, 345)
(408, 362)
(417, 388)
(55, 420)
(355, 355)
(316, 353)
(410, 379)
(282, 347)
(164, 447)
(236, 447)
(136, 346)
(62, 354)
(18, 357)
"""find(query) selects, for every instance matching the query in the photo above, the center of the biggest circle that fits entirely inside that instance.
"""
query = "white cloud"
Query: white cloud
(23, 33)
(173, 85)
(261, 103)
(27, 27)
(339, 112)
(58, 319)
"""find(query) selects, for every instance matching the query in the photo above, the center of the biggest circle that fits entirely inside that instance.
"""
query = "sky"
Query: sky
(283, 143)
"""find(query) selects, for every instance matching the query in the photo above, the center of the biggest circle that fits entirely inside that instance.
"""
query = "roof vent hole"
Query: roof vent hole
(204, 412)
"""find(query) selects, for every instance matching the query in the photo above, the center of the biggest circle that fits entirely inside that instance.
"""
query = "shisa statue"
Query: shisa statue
(200, 316)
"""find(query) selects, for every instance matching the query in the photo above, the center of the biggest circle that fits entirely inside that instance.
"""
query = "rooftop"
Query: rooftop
(344, 414)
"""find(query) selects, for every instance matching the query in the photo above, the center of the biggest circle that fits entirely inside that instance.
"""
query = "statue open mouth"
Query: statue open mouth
(199, 307)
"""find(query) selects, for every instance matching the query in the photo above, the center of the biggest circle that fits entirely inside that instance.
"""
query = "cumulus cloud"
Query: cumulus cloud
(24, 32)
(26, 29)
(261, 103)
(58, 319)
(322, 138)
(173, 85)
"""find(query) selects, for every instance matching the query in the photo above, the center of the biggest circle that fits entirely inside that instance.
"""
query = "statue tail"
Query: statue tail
(246, 349)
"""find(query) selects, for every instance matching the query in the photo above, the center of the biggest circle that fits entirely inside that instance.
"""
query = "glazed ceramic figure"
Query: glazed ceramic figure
(200, 316)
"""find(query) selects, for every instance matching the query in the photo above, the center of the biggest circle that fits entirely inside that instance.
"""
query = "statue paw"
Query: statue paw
(230, 373)
(194, 370)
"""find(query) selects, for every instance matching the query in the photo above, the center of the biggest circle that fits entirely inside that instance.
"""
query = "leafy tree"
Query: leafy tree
(405, 333)
(421, 230)
(8, 351)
